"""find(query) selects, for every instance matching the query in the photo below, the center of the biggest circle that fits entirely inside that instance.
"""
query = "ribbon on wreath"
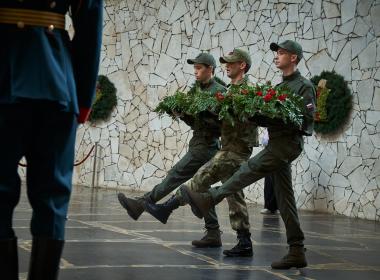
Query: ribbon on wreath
(322, 96)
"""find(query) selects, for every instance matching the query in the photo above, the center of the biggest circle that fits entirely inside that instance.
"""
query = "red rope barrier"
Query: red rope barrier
(85, 158)
(75, 164)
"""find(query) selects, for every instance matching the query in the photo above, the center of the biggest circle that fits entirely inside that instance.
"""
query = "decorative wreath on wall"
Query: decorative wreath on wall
(105, 100)
(334, 103)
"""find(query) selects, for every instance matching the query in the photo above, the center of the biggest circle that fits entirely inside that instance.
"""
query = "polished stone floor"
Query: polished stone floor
(103, 243)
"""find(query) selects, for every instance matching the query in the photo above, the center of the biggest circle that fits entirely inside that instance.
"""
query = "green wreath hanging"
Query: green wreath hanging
(105, 100)
(334, 103)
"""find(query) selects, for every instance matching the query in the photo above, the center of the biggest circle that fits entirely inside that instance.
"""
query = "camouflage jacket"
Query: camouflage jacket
(240, 137)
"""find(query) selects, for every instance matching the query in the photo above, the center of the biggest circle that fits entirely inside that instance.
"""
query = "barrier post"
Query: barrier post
(94, 165)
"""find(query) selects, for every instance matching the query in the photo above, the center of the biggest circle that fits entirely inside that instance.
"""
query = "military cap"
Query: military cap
(289, 45)
(203, 58)
(235, 56)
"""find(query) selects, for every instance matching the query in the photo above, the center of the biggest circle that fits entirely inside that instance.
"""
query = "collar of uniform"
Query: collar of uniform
(292, 76)
(241, 82)
(205, 85)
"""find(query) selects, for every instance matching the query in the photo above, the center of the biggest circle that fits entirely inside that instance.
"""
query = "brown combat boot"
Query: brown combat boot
(200, 203)
(295, 258)
(134, 206)
(210, 240)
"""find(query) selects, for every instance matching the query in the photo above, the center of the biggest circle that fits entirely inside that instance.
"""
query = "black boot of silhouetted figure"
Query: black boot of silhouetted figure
(8, 259)
(45, 258)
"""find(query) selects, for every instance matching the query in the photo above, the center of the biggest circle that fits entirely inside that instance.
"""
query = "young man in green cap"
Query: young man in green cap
(285, 145)
(202, 147)
(237, 142)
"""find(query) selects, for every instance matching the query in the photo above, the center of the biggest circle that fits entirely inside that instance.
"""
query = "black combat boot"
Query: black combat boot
(243, 248)
(210, 240)
(134, 206)
(45, 258)
(8, 259)
(294, 258)
(162, 211)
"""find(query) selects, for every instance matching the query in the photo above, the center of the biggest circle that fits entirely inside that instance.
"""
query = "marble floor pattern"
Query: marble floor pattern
(103, 242)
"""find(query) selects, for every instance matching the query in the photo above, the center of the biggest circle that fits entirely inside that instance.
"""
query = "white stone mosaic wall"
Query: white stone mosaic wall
(146, 44)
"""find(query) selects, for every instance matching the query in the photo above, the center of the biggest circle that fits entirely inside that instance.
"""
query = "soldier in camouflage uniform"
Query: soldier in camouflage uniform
(237, 142)
(202, 147)
(285, 145)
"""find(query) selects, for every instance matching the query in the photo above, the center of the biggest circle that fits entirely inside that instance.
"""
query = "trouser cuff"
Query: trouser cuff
(213, 192)
(211, 227)
(148, 198)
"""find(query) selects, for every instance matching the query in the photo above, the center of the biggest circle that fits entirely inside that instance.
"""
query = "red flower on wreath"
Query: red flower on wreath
(219, 96)
(268, 97)
(271, 91)
(244, 91)
(259, 93)
(282, 97)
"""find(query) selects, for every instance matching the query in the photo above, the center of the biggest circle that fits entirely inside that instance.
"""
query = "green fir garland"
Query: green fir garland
(336, 105)
(238, 103)
(105, 100)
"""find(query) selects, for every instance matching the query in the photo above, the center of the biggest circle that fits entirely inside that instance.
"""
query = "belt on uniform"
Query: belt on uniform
(24, 17)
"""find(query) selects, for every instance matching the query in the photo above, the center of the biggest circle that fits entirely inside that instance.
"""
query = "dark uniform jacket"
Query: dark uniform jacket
(206, 127)
(303, 87)
(42, 64)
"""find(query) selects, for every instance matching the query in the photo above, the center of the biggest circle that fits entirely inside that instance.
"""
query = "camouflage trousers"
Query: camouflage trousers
(222, 166)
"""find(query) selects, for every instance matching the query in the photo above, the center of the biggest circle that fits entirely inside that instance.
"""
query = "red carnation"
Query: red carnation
(271, 91)
(267, 97)
(219, 96)
(259, 93)
(244, 91)
(282, 97)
